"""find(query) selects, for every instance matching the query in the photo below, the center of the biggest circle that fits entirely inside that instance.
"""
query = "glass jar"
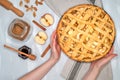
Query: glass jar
(26, 50)
(19, 30)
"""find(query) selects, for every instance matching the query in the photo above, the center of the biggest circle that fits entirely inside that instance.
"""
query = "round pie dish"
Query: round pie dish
(85, 33)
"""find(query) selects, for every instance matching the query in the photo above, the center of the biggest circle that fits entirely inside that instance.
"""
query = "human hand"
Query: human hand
(103, 61)
(42, 70)
(96, 66)
(55, 49)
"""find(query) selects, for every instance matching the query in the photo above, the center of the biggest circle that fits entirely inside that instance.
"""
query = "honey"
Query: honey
(26, 50)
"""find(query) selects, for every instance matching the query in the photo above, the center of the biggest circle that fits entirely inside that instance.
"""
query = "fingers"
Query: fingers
(58, 49)
(107, 59)
(110, 57)
(54, 43)
(111, 51)
(53, 38)
(92, 64)
(53, 35)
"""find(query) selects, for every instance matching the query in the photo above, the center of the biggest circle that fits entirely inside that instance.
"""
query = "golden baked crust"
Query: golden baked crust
(85, 33)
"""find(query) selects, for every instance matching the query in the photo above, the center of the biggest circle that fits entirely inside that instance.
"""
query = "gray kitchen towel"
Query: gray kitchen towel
(74, 70)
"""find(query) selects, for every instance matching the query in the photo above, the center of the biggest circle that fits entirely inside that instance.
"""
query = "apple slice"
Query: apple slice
(41, 37)
(47, 20)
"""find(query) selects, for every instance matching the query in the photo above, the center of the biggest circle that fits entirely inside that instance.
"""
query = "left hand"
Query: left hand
(55, 49)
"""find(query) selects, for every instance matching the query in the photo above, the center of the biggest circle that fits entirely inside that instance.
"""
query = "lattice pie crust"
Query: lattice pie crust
(85, 33)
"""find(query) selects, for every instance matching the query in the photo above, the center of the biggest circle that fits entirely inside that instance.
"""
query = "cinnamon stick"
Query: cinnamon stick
(40, 26)
(45, 51)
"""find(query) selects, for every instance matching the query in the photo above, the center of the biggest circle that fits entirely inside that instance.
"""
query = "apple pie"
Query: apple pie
(85, 33)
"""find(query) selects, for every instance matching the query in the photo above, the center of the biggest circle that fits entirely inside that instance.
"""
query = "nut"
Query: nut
(39, 2)
(21, 3)
(27, 1)
(34, 14)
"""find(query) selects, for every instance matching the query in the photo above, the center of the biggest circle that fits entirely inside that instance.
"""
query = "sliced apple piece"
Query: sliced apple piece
(41, 37)
(47, 20)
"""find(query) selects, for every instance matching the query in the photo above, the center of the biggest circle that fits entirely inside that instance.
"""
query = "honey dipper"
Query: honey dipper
(9, 6)
(30, 56)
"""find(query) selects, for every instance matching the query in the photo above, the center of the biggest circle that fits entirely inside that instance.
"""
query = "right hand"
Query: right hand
(103, 61)
(96, 66)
